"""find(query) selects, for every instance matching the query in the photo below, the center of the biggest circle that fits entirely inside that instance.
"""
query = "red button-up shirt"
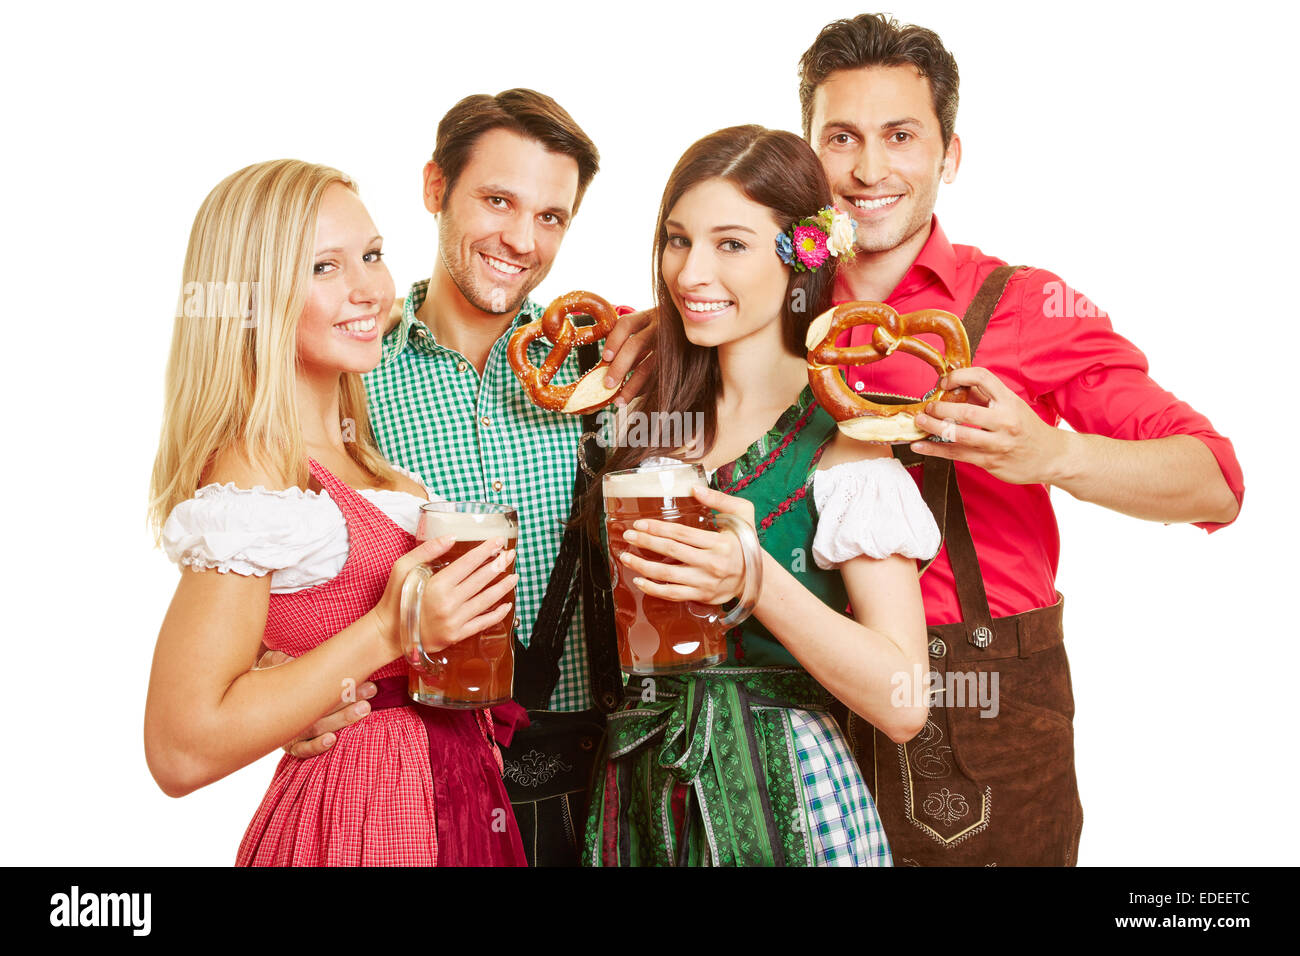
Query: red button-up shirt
(1058, 352)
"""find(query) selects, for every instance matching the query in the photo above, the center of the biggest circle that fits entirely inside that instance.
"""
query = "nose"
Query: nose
(697, 268)
(518, 235)
(371, 284)
(872, 163)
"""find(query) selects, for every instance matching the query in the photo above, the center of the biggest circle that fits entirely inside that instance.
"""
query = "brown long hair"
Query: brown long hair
(778, 170)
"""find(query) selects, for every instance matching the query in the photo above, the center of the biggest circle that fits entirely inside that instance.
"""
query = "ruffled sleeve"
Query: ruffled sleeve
(252, 531)
(870, 507)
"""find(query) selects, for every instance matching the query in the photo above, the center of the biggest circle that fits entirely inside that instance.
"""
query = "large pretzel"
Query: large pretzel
(589, 392)
(860, 417)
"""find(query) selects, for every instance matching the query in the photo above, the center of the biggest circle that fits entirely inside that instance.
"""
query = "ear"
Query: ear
(434, 182)
(952, 159)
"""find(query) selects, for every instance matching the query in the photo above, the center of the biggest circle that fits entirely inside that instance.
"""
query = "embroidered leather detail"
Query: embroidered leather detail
(938, 829)
(929, 756)
(946, 806)
(534, 768)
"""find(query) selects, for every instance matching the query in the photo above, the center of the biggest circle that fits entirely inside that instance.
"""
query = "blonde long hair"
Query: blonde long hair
(232, 373)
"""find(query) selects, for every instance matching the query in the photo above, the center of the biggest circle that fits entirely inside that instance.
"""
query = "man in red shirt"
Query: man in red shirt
(879, 104)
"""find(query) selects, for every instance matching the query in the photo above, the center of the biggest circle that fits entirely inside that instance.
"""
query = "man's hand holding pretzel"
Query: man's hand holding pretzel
(994, 429)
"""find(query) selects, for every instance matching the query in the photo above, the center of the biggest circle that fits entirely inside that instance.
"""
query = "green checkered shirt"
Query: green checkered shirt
(481, 439)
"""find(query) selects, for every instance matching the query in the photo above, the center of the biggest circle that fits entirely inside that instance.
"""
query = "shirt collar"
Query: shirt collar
(937, 258)
(412, 330)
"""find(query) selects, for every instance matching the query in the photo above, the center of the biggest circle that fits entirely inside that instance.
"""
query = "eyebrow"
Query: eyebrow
(491, 190)
(850, 127)
(731, 228)
(370, 242)
(504, 193)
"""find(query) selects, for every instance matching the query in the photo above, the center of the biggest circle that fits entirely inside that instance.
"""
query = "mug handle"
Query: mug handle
(752, 554)
(409, 627)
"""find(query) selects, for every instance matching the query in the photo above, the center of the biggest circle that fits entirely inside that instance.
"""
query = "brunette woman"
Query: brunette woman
(741, 763)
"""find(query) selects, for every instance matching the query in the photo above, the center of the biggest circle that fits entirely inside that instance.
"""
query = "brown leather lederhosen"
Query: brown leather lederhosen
(972, 790)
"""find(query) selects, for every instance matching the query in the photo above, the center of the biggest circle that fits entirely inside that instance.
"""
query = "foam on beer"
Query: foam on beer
(467, 527)
(657, 482)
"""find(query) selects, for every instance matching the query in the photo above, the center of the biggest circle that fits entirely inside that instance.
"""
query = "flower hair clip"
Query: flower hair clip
(807, 244)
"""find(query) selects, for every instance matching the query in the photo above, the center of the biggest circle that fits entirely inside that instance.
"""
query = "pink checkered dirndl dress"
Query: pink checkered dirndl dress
(407, 785)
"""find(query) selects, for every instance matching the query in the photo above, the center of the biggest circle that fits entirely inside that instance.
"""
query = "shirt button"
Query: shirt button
(496, 486)
(859, 385)
(485, 421)
(461, 366)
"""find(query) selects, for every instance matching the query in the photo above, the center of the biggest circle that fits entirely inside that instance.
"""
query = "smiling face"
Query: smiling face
(879, 140)
(500, 227)
(349, 291)
(720, 265)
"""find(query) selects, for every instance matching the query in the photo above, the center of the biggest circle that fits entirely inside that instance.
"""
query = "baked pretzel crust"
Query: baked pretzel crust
(860, 417)
(588, 393)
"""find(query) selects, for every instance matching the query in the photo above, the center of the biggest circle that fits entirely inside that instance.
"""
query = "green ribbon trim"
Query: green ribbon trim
(723, 733)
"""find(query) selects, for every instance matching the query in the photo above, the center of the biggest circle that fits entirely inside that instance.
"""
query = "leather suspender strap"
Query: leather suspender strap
(986, 300)
(537, 668)
(604, 678)
(941, 492)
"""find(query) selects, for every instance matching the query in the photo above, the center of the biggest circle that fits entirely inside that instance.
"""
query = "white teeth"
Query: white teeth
(505, 267)
(361, 325)
(706, 306)
(875, 203)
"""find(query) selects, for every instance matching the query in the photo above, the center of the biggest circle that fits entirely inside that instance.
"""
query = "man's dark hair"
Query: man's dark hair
(875, 39)
(526, 112)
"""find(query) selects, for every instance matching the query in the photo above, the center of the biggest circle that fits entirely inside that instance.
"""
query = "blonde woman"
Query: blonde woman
(293, 531)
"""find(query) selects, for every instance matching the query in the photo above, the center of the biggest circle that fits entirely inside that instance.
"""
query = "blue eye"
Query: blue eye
(374, 255)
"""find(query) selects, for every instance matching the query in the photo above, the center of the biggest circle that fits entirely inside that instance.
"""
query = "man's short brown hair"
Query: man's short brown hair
(526, 112)
(874, 39)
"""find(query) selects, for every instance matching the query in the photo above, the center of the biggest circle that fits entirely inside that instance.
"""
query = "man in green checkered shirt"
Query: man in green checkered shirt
(507, 176)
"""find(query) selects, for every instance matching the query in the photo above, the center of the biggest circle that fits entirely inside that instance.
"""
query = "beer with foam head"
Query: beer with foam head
(655, 635)
(478, 671)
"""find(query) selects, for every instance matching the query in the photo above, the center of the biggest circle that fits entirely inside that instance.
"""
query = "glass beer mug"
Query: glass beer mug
(657, 636)
(478, 671)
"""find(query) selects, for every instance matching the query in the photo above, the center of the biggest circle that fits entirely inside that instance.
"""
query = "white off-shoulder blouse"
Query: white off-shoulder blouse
(298, 537)
(870, 507)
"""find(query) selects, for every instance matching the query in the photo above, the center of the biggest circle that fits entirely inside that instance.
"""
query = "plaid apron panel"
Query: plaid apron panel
(842, 818)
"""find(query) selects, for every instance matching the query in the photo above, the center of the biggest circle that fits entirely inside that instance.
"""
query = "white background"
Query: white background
(1144, 153)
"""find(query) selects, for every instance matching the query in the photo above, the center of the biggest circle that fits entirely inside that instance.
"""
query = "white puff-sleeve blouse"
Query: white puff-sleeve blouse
(870, 507)
(298, 537)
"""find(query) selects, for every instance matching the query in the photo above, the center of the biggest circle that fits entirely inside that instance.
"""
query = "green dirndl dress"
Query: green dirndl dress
(741, 764)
